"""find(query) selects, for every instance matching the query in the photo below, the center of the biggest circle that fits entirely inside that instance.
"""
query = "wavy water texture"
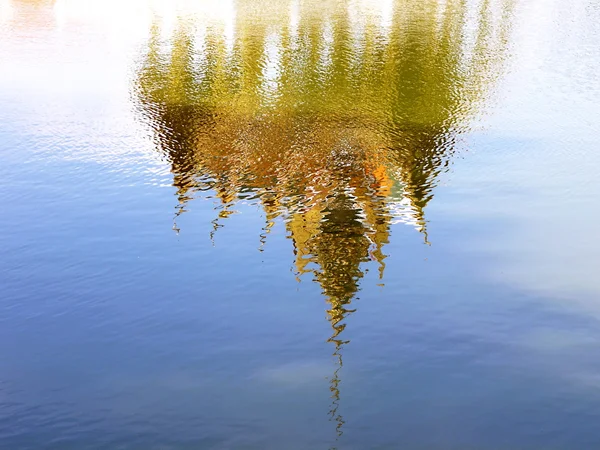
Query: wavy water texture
(336, 117)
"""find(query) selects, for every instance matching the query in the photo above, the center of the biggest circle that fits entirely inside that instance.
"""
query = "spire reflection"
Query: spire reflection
(337, 117)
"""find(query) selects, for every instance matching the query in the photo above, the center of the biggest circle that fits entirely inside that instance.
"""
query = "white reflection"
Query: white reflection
(294, 18)
(228, 19)
(272, 68)
(326, 52)
(387, 12)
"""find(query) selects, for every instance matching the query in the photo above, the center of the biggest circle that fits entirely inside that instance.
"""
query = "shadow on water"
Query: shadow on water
(337, 118)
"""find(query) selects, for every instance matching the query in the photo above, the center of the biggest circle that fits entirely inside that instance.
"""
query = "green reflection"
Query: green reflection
(336, 116)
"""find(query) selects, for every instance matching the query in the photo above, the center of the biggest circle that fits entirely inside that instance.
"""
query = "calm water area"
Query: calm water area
(299, 224)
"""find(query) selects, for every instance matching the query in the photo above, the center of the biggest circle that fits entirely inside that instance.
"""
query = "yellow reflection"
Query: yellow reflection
(338, 117)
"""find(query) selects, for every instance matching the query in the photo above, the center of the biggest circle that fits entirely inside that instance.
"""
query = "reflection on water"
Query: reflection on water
(336, 117)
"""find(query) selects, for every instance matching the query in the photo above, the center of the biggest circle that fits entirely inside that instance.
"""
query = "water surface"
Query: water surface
(299, 224)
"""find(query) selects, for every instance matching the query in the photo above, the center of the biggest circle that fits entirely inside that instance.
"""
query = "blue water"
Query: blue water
(127, 324)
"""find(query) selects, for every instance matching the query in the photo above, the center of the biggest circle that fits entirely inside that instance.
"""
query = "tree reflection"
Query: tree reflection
(337, 117)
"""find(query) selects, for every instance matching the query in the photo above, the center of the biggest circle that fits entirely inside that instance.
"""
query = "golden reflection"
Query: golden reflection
(337, 117)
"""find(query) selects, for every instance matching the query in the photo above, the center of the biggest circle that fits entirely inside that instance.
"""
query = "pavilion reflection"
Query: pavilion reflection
(337, 117)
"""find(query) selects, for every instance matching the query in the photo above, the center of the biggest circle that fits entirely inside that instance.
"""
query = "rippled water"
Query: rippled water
(299, 224)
